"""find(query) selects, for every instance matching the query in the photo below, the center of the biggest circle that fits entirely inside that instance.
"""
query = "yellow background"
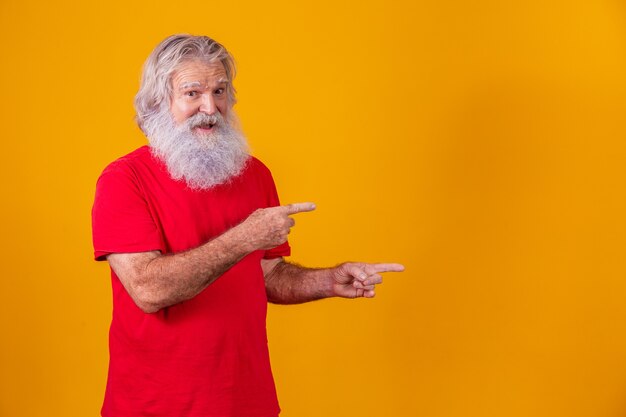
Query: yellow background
(481, 143)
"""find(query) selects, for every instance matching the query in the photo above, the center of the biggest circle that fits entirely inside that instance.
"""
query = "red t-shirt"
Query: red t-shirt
(206, 356)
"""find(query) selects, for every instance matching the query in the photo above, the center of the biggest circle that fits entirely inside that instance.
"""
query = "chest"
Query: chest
(187, 218)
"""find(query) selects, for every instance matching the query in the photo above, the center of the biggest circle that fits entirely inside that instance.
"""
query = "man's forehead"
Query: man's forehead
(198, 73)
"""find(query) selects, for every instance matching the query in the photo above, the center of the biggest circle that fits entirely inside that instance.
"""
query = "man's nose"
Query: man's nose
(208, 104)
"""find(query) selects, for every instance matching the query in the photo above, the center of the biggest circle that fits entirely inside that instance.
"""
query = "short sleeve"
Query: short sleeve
(273, 201)
(121, 218)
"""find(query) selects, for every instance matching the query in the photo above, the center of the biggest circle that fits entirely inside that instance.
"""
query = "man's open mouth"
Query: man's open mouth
(205, 126)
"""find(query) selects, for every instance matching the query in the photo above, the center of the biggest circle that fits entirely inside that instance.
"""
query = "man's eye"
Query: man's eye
(220, 91)
(191, 93)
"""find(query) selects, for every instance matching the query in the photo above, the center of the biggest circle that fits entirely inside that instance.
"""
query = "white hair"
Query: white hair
(155, 89)
(201, 160)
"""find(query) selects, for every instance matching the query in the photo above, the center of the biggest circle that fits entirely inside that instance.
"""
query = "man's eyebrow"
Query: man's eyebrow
(192, 84)
(196, 84)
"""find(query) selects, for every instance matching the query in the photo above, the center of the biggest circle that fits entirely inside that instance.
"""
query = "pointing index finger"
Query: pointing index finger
(299, 208)
(386, 267)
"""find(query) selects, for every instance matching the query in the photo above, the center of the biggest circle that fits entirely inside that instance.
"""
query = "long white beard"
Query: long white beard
(201, 160)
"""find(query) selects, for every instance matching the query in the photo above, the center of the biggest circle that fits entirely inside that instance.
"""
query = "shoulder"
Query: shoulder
(137, 165)
(256, 167)
(127, 171)
(258, 173)
(129, 161)
(254, 176)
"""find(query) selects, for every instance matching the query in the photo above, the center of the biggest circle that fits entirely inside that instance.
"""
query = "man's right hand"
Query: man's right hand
(267, 228)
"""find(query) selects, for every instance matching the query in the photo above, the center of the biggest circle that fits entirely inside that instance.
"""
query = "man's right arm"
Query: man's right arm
(155, 281)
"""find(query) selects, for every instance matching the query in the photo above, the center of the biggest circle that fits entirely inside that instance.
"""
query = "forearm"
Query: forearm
(164, 280)
(289, 283)
(155, 281)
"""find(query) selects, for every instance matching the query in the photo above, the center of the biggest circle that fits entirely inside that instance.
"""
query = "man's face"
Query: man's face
(199, 87)
(198, 137)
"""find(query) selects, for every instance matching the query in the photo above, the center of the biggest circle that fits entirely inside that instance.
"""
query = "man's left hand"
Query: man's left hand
(359, 279)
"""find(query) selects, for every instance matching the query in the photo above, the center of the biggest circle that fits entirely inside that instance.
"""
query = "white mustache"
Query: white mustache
(202, 119)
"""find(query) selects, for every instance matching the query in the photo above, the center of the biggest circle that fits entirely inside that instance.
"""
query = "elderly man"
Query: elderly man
(195, 236)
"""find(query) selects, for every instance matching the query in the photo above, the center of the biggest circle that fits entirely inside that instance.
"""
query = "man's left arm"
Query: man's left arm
(288, 283)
